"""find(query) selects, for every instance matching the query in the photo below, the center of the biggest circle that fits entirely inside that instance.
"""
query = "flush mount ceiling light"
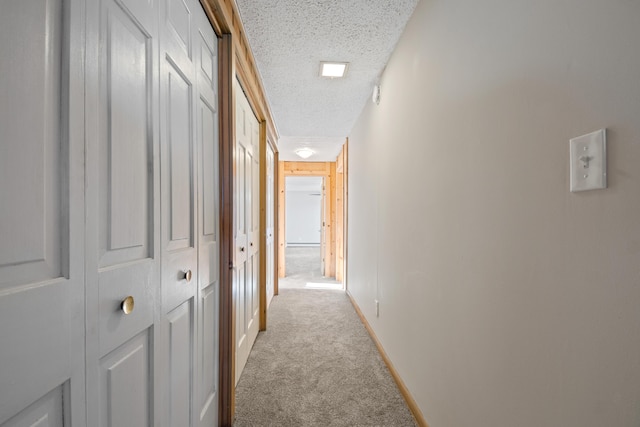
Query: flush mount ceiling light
(305, 152)
(333, 69)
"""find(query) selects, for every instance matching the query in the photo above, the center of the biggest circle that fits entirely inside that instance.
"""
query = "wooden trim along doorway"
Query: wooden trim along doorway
(341, 214)
(227, 316)
(327, 170)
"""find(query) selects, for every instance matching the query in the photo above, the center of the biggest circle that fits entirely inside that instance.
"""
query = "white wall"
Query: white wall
(303, 210)
(505, 300)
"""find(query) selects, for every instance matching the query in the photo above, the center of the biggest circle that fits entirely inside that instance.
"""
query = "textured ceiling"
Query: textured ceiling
(289, 38)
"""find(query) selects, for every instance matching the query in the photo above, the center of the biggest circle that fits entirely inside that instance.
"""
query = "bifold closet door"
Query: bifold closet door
(189, 170)
(152, 226)
(123, 215)
(208, 292)
(41, 213)
(270, 220)
(246, 265)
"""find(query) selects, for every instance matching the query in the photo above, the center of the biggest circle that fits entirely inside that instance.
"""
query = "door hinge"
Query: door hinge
(230, 265)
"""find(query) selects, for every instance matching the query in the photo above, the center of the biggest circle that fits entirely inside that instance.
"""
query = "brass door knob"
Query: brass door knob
(251, 244)
(241, 248)
(187, 276)
(127, 305)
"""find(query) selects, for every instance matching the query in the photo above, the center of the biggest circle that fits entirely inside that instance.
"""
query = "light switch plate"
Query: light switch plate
(588, 157)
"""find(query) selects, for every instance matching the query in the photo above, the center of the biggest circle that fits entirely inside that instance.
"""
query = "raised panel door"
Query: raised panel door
(178, 94)
(189, 181)
(206, 57)
(240, 233)
(48, 411)
(270, 218)
(180, 364)
(177, 154)
(253, 307)
(41, 213)
(125, 386)
(247, 226)
(122, 203)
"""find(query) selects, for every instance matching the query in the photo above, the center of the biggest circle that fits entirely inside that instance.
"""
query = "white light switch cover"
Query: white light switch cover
(588, 157)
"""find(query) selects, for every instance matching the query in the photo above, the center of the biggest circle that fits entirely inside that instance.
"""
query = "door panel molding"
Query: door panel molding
(48, 411)
(125, 383)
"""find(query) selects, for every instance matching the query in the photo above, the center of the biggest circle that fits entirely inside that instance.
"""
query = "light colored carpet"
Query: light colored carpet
(302, 265)
(317, 366)
(302, 261)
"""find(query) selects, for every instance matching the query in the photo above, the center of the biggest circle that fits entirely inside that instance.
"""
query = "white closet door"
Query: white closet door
(179, 282)
(270, 211)
(189, 171)
(246, 266)
(41, 213)
(147, 177)
(99, 97)
(123, 262)
(208, 223)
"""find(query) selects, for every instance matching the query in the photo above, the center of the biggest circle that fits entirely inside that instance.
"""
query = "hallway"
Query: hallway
(317, 366)
(476, 167)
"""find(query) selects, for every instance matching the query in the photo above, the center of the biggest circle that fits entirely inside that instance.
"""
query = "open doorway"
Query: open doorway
(333, 218)
(305, 233)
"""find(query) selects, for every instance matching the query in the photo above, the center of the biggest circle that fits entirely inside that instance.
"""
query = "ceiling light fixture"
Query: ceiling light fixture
(333, 69)
(305, 152)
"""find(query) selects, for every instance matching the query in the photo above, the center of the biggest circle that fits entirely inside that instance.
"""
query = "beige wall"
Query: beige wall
(505, 300)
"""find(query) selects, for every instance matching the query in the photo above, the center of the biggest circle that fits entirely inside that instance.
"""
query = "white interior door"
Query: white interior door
(270, 218)
(109, 190)
(323, 227)
(246, 266)
(41, 213)
(208, 300)
(188, 139)
(123, 262)
(152, 221)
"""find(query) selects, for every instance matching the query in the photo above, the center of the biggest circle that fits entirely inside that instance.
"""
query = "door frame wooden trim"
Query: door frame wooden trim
(262, 278)
(227, 310)
(213, 20)
(345, 216)
(340, 216)
(276, 221)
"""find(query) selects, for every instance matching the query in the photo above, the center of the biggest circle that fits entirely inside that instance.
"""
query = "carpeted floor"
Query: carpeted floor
(317, 366)
(302, 265)
(303, 261)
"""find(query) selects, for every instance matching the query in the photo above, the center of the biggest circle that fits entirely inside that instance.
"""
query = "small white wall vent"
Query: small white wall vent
(376, 95)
